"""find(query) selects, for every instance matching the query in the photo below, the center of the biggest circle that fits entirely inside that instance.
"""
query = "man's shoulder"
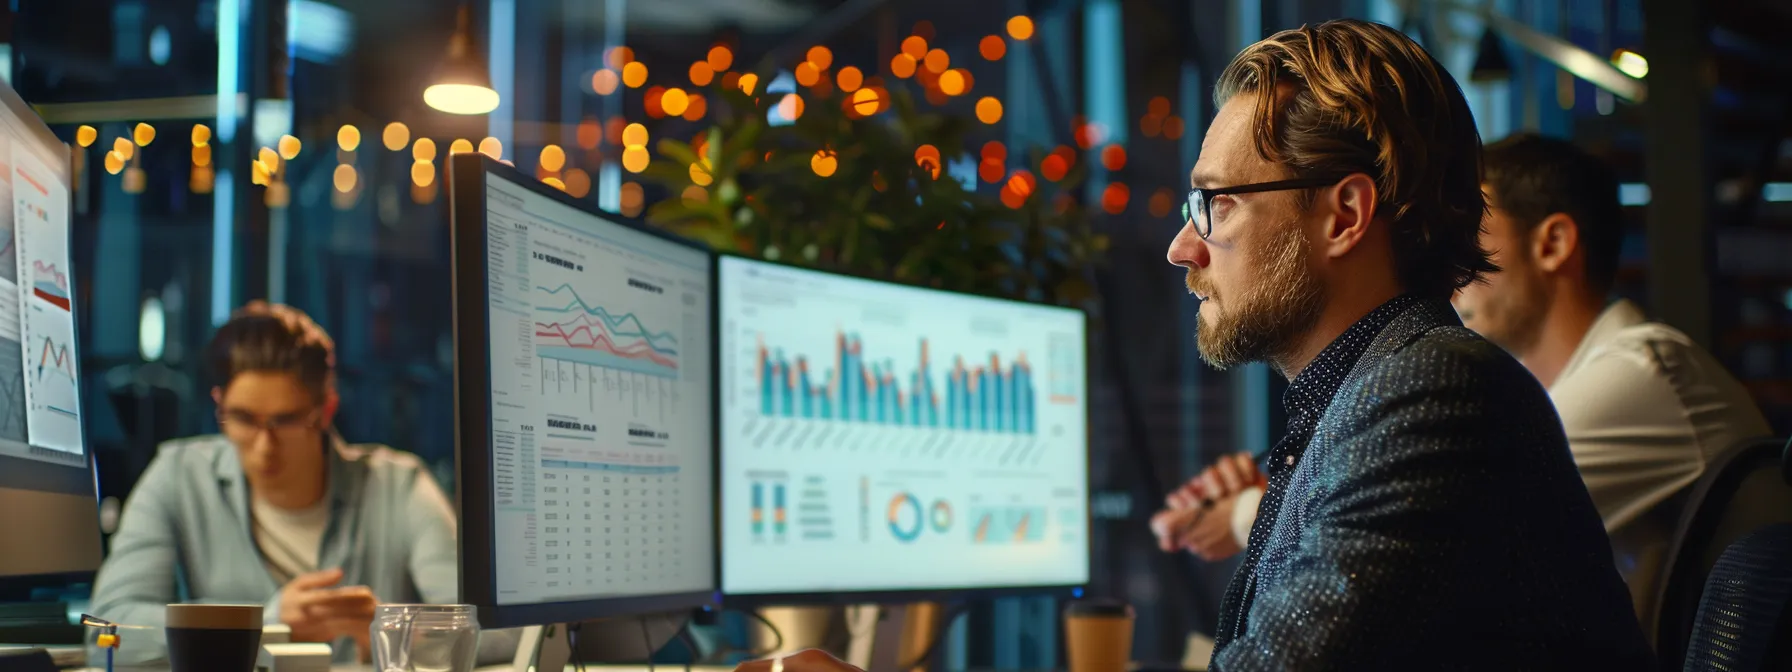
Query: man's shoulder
(385, 467)
(1446, 357)
(194, 456)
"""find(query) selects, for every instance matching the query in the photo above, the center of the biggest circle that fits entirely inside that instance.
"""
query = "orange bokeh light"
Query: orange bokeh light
(1113, 157)
(1160, 203)
(702, 74)
(807, 73)
(936, 97)
(618, 57)
(1013, 199)
(603, 82)
(991, 171)
(915, 46)
(938, 60)
(615, 128)
(902, 65)
(952, 83)
(820, 57)
(1020, 28)
(748, 82)
(698, 107)
(989, 110)
(1054, 167)
(850, 79)
(994, 150)
(928, 157)
(675, 101)
(1158, 107)
(993, 47)
(1151, 125)
(634, 74)
(824, 163)
(791, 107)
(720, 58)
(589, 133)
(730, 80)
(1022, 183)
(924, 29)
(1115, 197)
(1173, 128)
(865, 102)
(652, 101)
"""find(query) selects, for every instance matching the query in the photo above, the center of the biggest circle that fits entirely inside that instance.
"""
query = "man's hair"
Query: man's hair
(1533, 177)
(1349, 97)
(272, 338)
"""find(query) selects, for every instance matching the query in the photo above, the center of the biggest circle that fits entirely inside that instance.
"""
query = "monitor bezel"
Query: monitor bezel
(472, 395)
(895, 595)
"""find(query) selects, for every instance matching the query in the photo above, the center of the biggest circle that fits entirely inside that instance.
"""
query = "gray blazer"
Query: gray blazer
(185, 535)
(1435, 520)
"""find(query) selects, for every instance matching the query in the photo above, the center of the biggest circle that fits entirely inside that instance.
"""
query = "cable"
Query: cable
(647, 641)
(939, 635)
(769, 626)
(572, 644)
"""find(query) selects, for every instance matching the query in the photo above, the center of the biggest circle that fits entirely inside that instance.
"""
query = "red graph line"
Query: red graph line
(42, 268)
(600, 341)
(59, 355)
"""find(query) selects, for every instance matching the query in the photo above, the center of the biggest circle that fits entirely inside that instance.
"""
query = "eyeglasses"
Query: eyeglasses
(285, 428)
(1198, 208)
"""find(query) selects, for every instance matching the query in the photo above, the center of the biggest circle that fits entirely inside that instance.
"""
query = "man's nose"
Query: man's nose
(1188, 250)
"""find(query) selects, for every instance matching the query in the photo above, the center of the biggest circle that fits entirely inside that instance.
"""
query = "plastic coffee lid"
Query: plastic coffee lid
(215, 616)
(1098, 607)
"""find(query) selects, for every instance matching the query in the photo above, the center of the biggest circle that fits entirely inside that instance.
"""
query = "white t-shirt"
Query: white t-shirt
(290, 539)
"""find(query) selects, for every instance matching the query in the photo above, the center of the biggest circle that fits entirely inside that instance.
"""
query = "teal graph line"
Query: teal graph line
(612, 321)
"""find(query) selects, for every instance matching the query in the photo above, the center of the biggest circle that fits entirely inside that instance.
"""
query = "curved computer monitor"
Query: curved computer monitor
(47, 488)
(583, 380)
(880, 441)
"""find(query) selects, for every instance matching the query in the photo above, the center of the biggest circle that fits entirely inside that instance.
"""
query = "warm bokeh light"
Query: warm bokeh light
(748, 82)
(952, 83)
(697, 108)
(85, 135)
(604, 82)
(700, 176)
(618, 57)
(1115, 197)
(1021, 183)
(554, 182)
(821, 57)
(791, 107)
(202, 180)
(344, 178)
(202, 155)
(850, 79)
(578, 183)
(1087, 135)
(938, 60)
(1173, 128)
(1020, 28)
(1158, 107)
(720, 58)
(266, 157)
(865, 102)
(650, 101)
(634, 74)
(424, 150)
(675, 101)
(494, 147)
(632, 199)
(702, 74)
(993, 47)
(1160, 203)
(202, 135)
(614, 130)
(991, 171)
(1054, 167)
(461, 98)
(695, 195)
(125, 149)
(423, 173)
(989, 110)
(994, 150)
(824, 163)
(928, 157)
(730, 80)
(289, 147)
(635, 159)
(915, 46)
(1113, 157)
(902, 65)
(553, 158)
(1151, 125)
(588, 135)
(634, 135)
(923, 28)
(807, 74)
(937, 97)
(114, 162)
(258, 171)
(144, 134)
(1013, 199)
(1631, 63)
(878, 182)
(700, 146)
(460, 146)
(396, 136)
(348, 137)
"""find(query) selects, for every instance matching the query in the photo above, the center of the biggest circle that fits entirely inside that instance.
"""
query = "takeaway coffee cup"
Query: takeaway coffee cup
(1098, 635)
(213, 637)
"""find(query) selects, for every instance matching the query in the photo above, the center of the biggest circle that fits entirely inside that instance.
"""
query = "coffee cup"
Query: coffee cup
(1098, 635)
(213, 637)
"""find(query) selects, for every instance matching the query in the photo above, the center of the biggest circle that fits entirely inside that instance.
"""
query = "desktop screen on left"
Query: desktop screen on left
(44, 466)
(601, 448)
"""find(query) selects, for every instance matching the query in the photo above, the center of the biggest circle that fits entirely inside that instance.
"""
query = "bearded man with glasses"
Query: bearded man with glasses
(279, 510)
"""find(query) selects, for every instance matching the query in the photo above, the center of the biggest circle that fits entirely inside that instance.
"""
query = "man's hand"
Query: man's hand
(319, 611)
(809, 660)
(1197, 516)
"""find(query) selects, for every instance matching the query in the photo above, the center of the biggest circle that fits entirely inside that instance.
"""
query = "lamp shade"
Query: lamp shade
(1491, 64)
(462, 83)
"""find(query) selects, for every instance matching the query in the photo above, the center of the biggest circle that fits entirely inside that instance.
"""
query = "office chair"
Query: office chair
(1741, 492)
(1745, 618)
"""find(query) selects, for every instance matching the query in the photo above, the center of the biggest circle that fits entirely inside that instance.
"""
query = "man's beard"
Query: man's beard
(1266, 320)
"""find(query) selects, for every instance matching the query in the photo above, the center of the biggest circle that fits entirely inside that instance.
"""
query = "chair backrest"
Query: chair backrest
(1741, 492)
(1745, 618)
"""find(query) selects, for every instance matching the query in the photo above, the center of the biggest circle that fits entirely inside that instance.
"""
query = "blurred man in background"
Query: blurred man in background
(1645, 408)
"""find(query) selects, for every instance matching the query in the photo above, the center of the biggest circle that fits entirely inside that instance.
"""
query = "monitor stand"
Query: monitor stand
(885, 637)
(549, 648)
(543, 648)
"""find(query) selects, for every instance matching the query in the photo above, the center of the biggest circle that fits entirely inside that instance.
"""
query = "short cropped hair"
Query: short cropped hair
(1532, 177)
(273, 338)
(1351, 96)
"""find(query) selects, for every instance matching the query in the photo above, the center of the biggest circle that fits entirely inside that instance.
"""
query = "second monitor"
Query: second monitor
(882, 438)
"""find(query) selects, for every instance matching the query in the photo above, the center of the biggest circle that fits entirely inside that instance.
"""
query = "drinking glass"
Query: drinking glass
(425, 638)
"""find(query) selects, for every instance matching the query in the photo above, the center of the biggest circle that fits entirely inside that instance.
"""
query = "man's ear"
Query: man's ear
(1554, 241)
(218, 396)
(1349, 209)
